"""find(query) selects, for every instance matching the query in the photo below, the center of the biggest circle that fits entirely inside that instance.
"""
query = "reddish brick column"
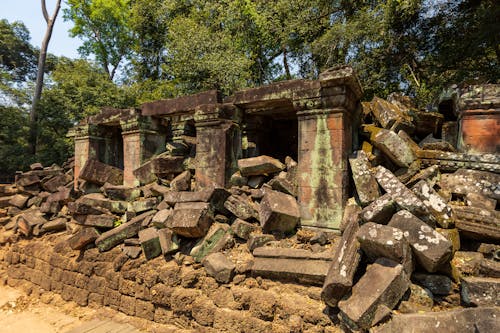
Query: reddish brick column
(479, 131)
(218, 145)
(86, 147)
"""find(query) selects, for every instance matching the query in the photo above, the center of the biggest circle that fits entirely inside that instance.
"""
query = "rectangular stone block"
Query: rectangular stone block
(218, 237)
(394, 147)
(436, 205)
(260, 165)
(480, 291)
(85, 236)
(379, 211)
(366, 185)
(477, 223)
(191, 220)
(278, 212)
(169, 242)
(99, 173)
(150, 243)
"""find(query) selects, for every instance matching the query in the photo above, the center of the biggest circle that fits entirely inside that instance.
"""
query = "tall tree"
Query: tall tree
(50, 20)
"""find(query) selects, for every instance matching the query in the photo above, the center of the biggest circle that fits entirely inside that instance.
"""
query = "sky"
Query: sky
(30, 13)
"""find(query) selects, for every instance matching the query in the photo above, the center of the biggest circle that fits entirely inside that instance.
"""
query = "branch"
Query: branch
(44, 11)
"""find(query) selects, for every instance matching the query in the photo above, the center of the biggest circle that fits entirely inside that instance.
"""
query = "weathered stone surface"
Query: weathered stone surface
(430, 248)
(217, 238)
(489, 268)
(143, 205)
(58, 224)
(465, 181)
(133, 252)
(477, 223)
(83, 238)
(378, 240)
(161, 217)
(453, 236)
(394, 147)
(36, 166)
(346, 258)
(27, 179)
(55, 182)
(19, 201)
(435, 283)
(291, 264)
(243, 229)
(260, 165)
(375, 294)
(241, 206)
(480, 291)
(379, 211)
(283, 185)
(256, 240)
(121, 192)
(219, 266)
(150, 243)
(181, 182)
(399, 193)
(366, 185)
(436, 205)
(28, 220)
(113, 237)
(4, 201)
(389, 115)
(472, 320)
(431, 175)
(169, 241)
(78, 207)
(191, 220)
(62, 196)
(237, 179)
(278, 212)
(480, 201)
(420, 299)
(102, 221)
(215, 196)
(99, 173)
(97, 200)
(352, 211)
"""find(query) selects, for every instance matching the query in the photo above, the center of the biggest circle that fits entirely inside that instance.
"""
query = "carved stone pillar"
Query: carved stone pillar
(218, 145)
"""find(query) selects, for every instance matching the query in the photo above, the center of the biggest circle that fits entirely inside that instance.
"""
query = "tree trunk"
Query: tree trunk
(40, 73)
(285, 64)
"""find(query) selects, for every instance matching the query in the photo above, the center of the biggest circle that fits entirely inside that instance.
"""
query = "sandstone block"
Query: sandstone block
(191, 220)
(278, 212)
(477, 223)
(394, 147)
(150, 243)
(379, 211)
(256, 240)
(28, 220)
(435, 283)
(19, 201)
(436, 205)
(219, 266)
(169, 241)
(260, 165)
(99, 173)
(161, 217)
(243, 229)
(366, 184)
(217, 238)
(181, 182)
(82, 238)
(121, 192)
(241, 206)
(480, 291)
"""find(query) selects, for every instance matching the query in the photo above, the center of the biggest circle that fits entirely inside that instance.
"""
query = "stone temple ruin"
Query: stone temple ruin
(292, 207)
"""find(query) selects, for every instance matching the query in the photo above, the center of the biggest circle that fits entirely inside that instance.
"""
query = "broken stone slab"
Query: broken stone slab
(241, 206)
(101, 221)
(405, 198)
(470, 320)
(142, 205)
(218, 238)
(191, 220)
(169, 242)
(453, 236)
(82, 238)
(477, 223)
(50, 207)
(5, 201)
(28, 220)
(467, 262)
(480, 201)
(256, 181)
(366, 185)
(388, 114)
(133, 252)
(56, 225)
(100, 173)
(435, 283)
(438, 145)
(419, 299)
(375, 294)
(115, 236)
(181, 182)
(256, 240)
(150, 243)
(260, 165)
(431, 175)
(489, 268)
(346, 258)
(215, 196)
(436, 205)
(62, 196)
(27, 179)
(36, 166)
(219, 267)
(377, 240)
(465, 181)
(55, 182)
(278, 212)
(291, 264)
(394, 147)
(121, 192)
(243, 229)
(19, 200)
(161, 217)
(379, 211)
(283, 185)
(352, 211)
(480, 291)
(430, 248)
(237, 179)
(79, 208)
(98, 200)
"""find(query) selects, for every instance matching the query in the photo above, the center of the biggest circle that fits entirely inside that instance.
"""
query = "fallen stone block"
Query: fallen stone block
(480, 201)
(389, 115)
(219, 266)
(291, 264)
(115, 236)
(436, 205)
(62, 196)
(260, 165)
(378, 240)
(19, 200)
(465, 181)
(241, 206)
(215, 196)
(237, 179)
(375, 295)
(56, 225)
(256, 240)
(191, 220)
(36, 166)
(28, 220)
(142, 205)
(101, 221)
(161, 217)
(27, 179)
(419, 300)
(379, 211)
(431, 249)
(150, 243)
(480, 291)
(5, 201)
(55, 182)
(100, 173)
(278, 212)
(133, 252)
(431, 175)
(471, 320)
(218, 238)
(477, 223)
(256, 181)
(489, 268)
(283, 185)
(394, 147)
(366, 185)
(405, 198)
(79, 208)
(181, 182)
(346, 258)
(243, 229)
(98, 200)
(82, 238)
(169, 242)
(435, 283)
(352, 211)
(121, 192)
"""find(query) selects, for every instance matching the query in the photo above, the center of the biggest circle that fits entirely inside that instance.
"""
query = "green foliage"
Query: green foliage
(14, 131)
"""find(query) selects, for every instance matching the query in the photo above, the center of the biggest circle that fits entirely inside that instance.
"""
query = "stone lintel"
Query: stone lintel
(180, 105)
